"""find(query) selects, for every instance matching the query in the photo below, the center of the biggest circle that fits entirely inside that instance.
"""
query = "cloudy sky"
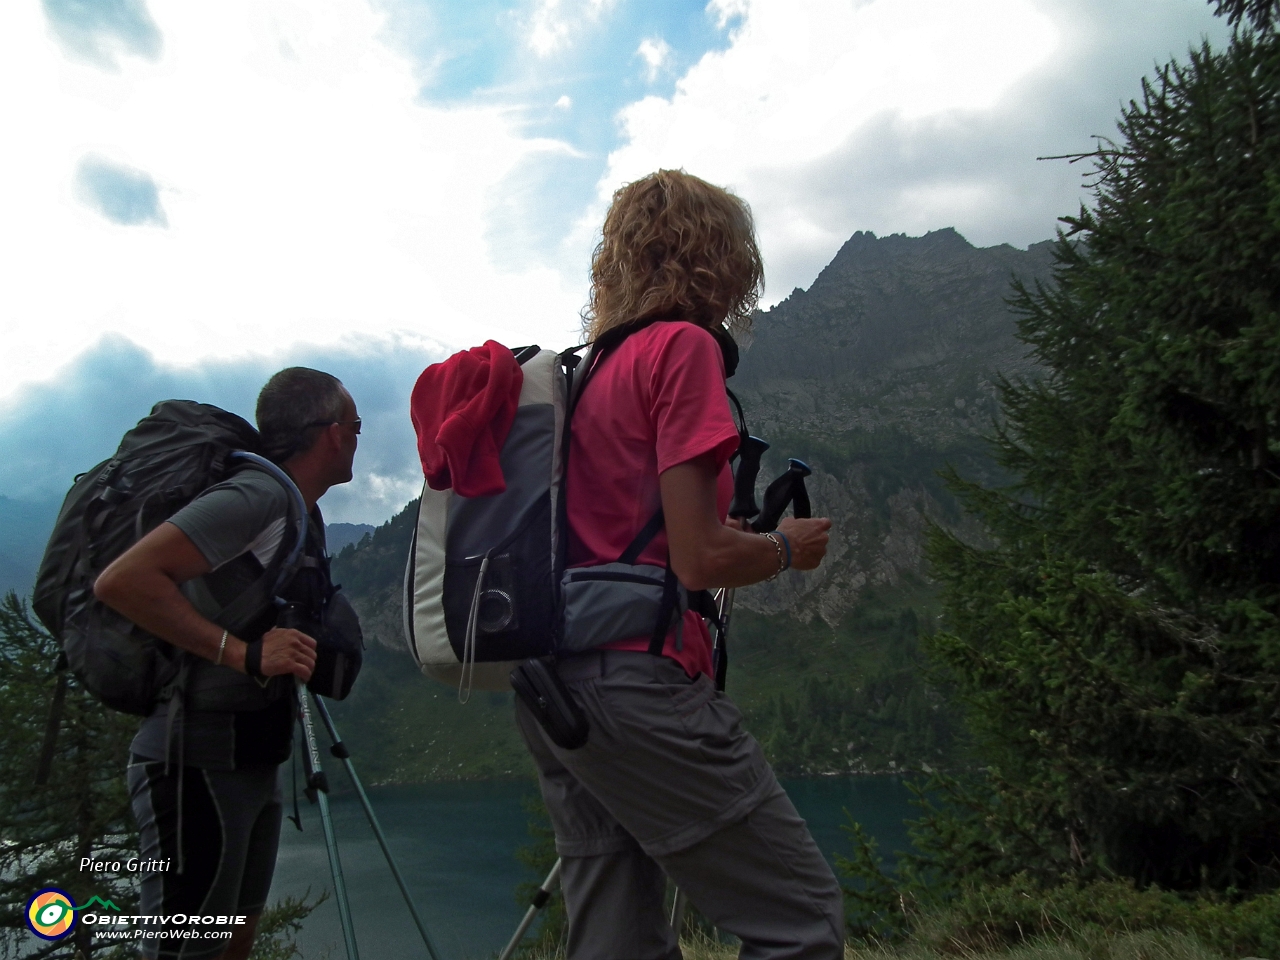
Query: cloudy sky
(194, 194)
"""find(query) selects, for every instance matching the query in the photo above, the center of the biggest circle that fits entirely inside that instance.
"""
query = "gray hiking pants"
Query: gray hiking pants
(669, 784)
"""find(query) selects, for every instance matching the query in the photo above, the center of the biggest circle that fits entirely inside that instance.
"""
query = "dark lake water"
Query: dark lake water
(455, 845)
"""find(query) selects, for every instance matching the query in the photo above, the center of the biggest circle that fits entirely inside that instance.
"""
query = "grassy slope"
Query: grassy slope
(852, 698)
(404, 728)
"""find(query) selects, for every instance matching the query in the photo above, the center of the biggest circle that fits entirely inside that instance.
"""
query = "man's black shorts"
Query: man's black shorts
(230, 828)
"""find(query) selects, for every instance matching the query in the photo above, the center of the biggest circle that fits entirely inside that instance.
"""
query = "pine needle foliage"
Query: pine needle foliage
(278, 927)
(83, 811)
(1261, 13)
(1118, 651)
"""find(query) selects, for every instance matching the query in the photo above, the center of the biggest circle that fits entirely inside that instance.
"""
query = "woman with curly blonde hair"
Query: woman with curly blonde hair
(669, 784)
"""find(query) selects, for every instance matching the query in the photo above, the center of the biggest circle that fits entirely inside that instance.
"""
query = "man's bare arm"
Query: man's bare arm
(142, 584)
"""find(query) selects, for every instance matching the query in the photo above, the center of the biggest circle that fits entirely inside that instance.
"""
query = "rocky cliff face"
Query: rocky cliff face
(880, 374)
(899, 333)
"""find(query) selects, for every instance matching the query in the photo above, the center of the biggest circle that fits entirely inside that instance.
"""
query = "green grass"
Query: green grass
(1144, 945)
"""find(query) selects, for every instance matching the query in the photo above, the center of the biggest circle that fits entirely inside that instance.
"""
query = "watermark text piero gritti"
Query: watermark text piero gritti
(132, 865)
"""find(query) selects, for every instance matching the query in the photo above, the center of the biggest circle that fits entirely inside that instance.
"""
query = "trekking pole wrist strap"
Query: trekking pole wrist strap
(253, 659)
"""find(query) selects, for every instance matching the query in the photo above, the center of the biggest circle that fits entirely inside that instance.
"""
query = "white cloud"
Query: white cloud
(897, 115)
(112, 384)
(554, 22)
(550, 30)
(655, 52)
(727, 10)
(308, 193)
(796, 83)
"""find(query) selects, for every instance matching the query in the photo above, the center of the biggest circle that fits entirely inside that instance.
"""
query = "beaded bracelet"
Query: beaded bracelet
(777, 540)
(222, 648)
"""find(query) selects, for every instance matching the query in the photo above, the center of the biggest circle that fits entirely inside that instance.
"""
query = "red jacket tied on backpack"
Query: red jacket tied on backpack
(462, 410)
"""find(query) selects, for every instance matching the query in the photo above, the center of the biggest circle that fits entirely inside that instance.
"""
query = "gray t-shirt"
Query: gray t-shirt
(238, 526)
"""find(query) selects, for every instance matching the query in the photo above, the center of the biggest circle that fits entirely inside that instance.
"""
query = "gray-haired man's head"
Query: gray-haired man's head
(294, 406)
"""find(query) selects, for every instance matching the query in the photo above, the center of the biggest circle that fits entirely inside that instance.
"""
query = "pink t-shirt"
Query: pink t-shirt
(657, 401)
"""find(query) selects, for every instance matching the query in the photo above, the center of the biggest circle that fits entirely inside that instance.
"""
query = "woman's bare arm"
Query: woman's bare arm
(706, 554)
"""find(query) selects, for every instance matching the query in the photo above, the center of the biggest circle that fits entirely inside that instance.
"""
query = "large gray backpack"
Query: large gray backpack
(162, 464)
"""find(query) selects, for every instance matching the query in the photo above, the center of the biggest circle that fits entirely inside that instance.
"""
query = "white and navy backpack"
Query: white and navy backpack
(486, 586)
(480, 582)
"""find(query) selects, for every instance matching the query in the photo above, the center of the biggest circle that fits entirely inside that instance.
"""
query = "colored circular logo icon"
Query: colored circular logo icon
(51, 913)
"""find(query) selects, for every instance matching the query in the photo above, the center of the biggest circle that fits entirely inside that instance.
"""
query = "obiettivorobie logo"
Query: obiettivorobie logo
(51, 913)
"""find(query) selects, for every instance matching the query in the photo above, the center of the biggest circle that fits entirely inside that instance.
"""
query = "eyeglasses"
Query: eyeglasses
(328, 423)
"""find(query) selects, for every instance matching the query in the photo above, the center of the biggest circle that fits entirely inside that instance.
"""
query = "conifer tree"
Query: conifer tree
(83, 809)
(1118, 648)
(1261, 13)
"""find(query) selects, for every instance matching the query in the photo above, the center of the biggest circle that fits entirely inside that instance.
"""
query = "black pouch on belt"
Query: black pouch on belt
(539, 686)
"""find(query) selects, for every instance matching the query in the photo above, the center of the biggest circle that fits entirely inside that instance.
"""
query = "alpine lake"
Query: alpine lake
(455, 845)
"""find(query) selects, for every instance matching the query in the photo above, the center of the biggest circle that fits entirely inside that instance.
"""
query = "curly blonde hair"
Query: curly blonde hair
(675, 246)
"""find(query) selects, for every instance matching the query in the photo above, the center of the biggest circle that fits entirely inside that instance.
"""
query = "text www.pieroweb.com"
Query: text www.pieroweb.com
(160, 927)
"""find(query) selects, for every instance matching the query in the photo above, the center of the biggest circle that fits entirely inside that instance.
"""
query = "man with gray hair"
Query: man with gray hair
(204, 779)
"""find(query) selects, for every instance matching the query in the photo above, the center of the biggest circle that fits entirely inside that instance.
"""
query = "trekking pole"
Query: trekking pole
(317, 791)
(539, 901)
(339, 750)
(743, 507)
(677, 911)
(788, 490)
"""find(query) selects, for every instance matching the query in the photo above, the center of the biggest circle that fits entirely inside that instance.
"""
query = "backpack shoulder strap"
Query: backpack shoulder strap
(667, 611)
(642, 539)
(737, 405)
(601, 347)
(599, 351)
(263, 591)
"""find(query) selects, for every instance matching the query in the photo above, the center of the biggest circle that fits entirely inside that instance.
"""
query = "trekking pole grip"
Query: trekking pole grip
(288, 615)
(789, 488)
(744, 478)
(800, 506)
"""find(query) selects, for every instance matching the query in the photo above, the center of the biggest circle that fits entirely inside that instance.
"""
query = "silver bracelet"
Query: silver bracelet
(777, 545)
(222, 648)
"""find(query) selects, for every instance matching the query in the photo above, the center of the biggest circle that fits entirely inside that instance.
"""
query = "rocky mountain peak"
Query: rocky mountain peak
(880, 374)
(888, 305)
